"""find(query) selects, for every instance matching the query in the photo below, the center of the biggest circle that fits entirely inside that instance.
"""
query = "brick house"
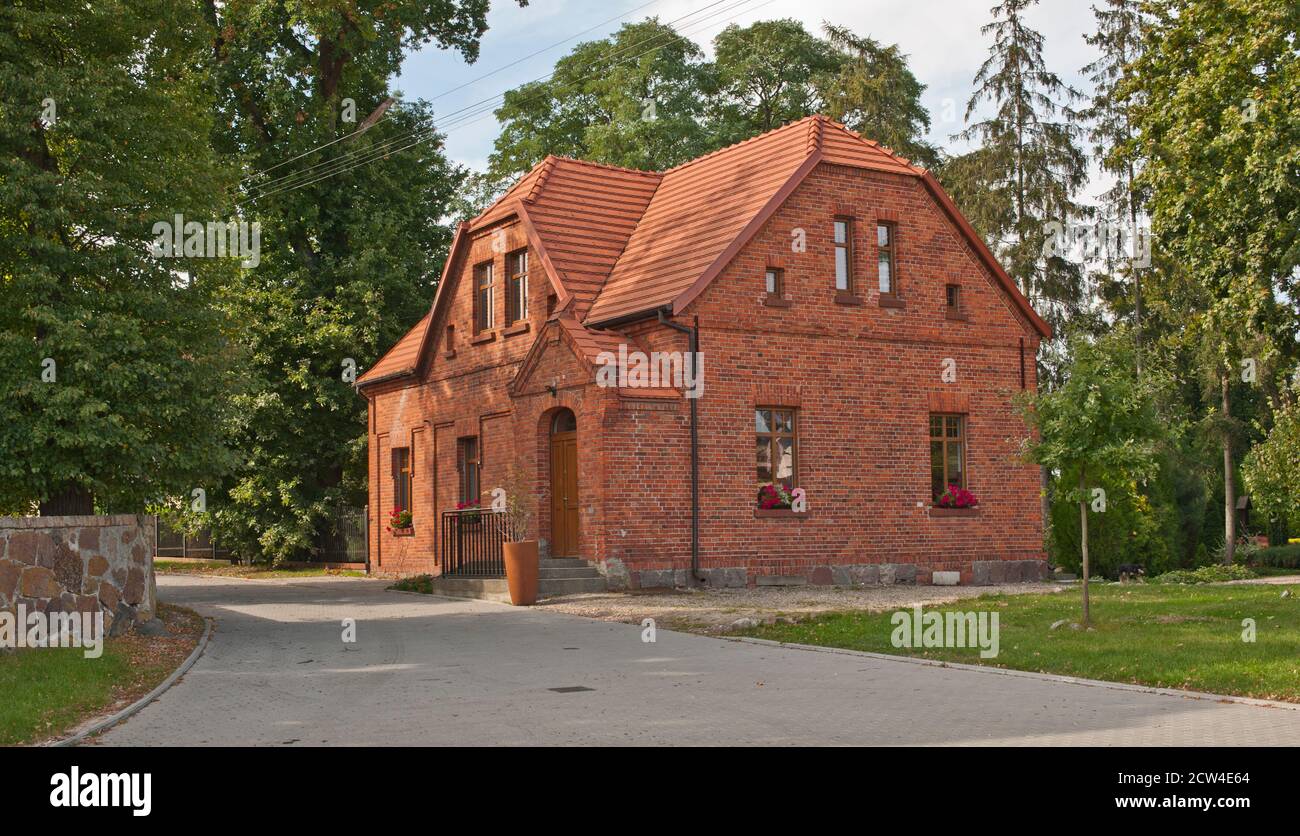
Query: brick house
(858, 341)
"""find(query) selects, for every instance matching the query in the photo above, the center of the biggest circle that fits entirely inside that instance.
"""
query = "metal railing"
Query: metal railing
(471, 543)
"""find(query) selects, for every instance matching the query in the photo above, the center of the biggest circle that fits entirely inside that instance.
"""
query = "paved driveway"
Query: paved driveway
(435, 671)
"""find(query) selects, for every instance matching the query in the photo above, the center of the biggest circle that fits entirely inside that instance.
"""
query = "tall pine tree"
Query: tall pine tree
(1029, 157)
(1119, 41)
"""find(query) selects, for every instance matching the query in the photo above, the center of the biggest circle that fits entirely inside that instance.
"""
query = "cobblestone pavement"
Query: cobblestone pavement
(427, 670)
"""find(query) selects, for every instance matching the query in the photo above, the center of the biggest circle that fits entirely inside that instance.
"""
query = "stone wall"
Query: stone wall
(80, 564)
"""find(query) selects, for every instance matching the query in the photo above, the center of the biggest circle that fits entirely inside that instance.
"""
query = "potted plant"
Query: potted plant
(956, 497)
(519, 552)
(774, 496)
(399, 522)
(471, 510)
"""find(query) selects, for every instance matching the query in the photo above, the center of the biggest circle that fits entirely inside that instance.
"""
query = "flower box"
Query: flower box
(939, 511)
(403, 532)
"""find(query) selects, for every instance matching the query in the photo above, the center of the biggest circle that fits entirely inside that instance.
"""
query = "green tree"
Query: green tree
(636, 99)
(1028, 156)
(1271, 471)
(353, 240)
(1101, 425)
(1118, 38)
(1218, 144)
(114, 362)
(768, 74)
(875, 93)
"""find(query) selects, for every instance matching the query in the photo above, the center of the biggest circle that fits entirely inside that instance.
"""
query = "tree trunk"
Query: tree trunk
(70, 500)
(1229, 491)
(1083, 526)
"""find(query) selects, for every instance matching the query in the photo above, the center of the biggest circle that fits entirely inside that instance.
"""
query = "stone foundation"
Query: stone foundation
(80, 564)
(976, 573)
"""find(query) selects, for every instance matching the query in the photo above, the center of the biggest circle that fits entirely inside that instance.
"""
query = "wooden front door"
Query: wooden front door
(564, 494)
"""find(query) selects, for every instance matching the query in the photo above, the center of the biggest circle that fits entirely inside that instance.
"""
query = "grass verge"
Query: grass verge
(220, 568)
(49, 691)
(1167, 636)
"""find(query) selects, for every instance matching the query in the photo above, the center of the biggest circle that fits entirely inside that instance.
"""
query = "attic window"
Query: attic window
(517, 287)
(483, 297)
(773, 282)
(885, 259)
(844, 254)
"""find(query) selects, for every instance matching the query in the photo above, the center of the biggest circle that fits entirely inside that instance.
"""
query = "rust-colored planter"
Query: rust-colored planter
(521, 571)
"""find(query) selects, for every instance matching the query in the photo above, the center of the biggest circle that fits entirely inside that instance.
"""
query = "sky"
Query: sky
(940, 37)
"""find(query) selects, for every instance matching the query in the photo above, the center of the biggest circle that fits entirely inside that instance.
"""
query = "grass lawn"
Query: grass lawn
(47, 692)
(1168, 636)
(224, 569)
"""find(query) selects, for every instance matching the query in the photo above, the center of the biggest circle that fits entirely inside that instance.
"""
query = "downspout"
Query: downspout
(693, 334)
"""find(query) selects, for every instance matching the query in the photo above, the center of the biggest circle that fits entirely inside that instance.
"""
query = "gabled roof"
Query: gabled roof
(618, 243)
(583, 214)
(401, 359)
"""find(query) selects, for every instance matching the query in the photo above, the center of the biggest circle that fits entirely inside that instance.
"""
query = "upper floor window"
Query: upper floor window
(947, 453)
(885, 259)
(483, 319)
(774, 281)
(467, 462)
(402, 478)
(844, 254)
(517, 287)
(775, 447)
(953, 308)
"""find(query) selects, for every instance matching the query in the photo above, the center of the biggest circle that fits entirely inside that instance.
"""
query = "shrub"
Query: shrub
(415, 583)
(1285, 557)
(1213, 573)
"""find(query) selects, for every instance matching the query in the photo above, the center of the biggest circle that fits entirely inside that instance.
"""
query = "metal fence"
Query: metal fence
(343, 539)
(471, 543)
(173, 542)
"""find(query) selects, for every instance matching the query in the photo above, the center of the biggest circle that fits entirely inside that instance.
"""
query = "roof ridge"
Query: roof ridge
(754, 138)
(874, 144)
(610, 166)
(545, 169)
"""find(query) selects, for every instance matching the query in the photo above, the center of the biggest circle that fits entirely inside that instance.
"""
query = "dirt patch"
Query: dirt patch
(714, 610)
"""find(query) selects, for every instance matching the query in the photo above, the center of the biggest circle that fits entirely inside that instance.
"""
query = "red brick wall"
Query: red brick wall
(864, 378)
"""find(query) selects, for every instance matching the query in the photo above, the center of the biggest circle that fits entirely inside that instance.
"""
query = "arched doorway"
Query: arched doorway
(564, 484)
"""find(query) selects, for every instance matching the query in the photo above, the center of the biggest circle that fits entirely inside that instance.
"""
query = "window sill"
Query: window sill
(403, 532)
(889, 300)
(779, 512)
(955, 316)
(484, 337)
(449, 353)
(936, 511)
(520, 327)
(844, 297)
(771, 300)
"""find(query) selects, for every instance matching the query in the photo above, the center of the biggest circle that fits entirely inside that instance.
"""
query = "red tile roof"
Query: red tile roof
(618, 242)
(401, 359)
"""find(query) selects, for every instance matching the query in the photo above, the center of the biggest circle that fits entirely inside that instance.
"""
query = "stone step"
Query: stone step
(570, 586)
(547, 572)
(564, 563)
(484, 589)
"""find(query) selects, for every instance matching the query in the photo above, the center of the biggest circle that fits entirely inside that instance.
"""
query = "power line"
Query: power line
(466, 115)
(452, 119)
(454, 89)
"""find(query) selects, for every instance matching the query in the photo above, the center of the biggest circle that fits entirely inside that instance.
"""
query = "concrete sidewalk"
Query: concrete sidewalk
(435, 671)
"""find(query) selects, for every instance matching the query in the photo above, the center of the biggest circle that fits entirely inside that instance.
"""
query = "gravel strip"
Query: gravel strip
(714, 610)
